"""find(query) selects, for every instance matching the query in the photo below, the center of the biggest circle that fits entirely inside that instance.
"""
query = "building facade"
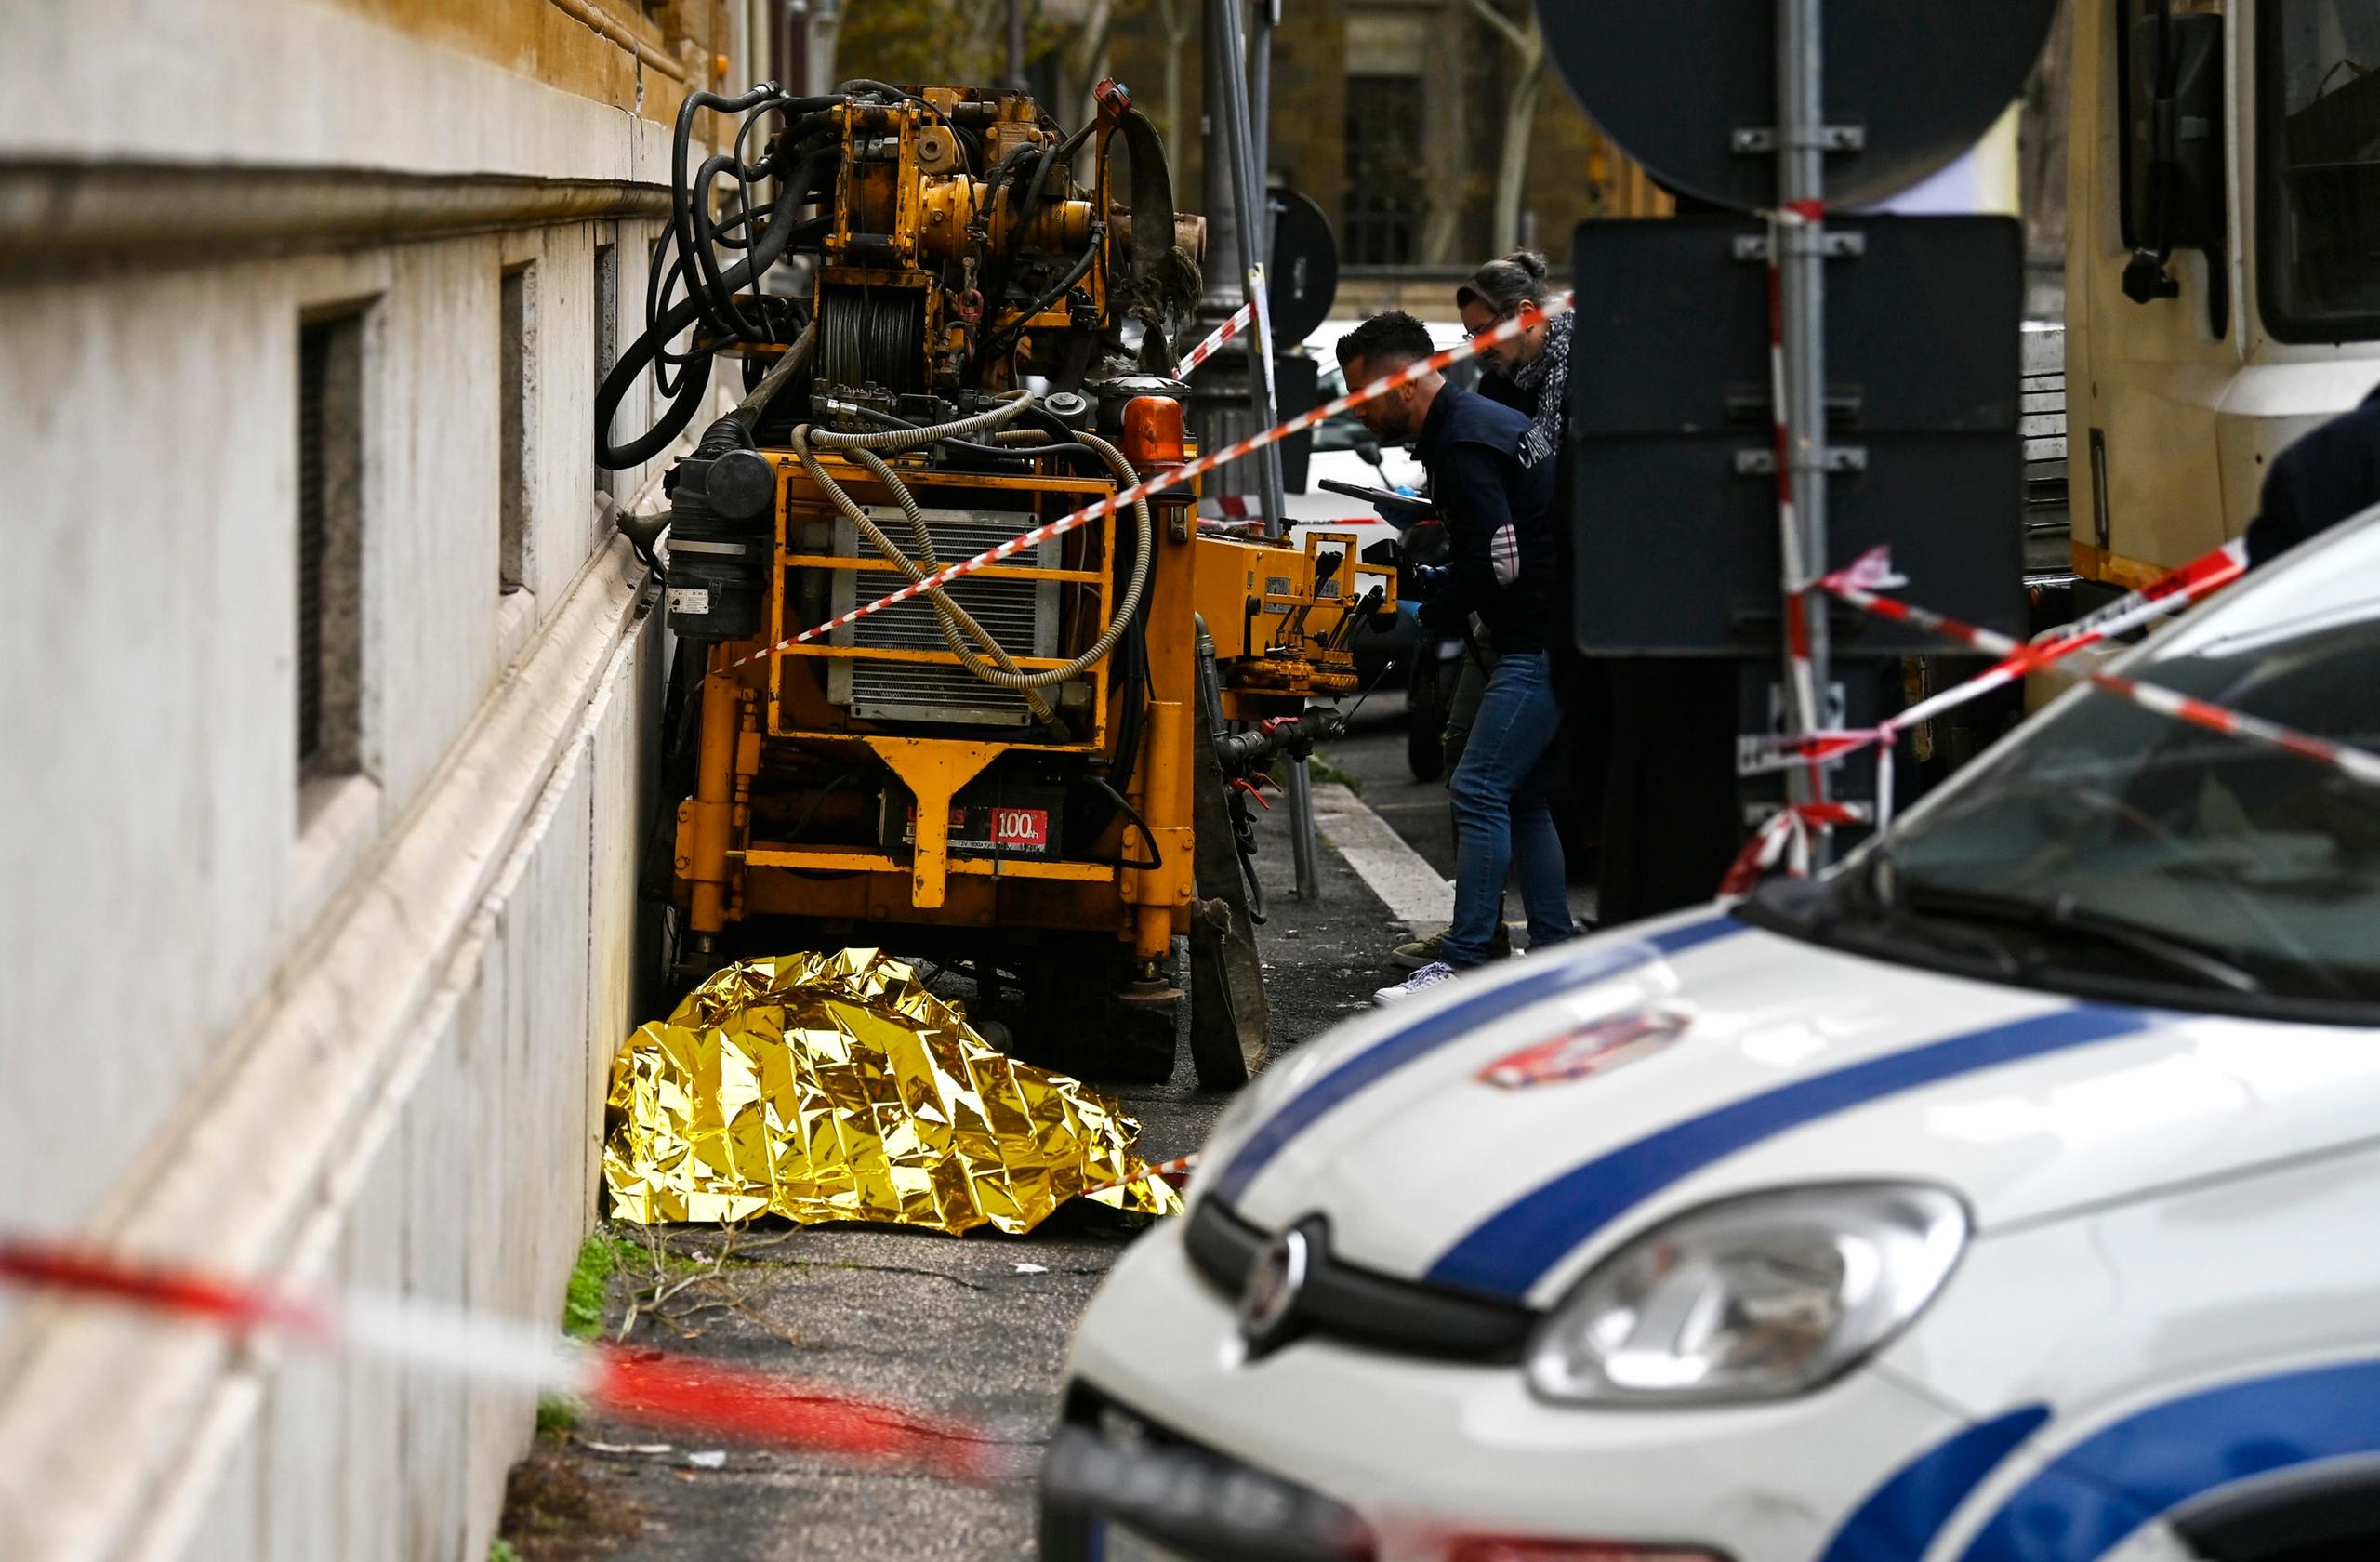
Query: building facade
(1392, 115)
(328, 695)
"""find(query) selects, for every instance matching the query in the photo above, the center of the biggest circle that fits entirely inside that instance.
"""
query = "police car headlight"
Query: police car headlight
(1758, 1297)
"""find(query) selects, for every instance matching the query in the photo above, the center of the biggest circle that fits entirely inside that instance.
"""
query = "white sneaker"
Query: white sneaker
(1428, 976)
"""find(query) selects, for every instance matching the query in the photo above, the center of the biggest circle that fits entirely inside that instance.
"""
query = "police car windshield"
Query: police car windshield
(2105, 814)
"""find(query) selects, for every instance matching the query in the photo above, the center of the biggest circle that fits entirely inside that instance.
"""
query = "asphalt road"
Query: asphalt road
(974, 1329)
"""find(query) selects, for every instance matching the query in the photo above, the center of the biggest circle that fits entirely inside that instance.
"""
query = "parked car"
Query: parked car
(2005, 1196)
(1344, 449)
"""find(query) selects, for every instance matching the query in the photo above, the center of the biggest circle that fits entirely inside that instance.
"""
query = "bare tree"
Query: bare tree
(1083, 67)
(1525, 51)
(2041, 135)
(920, 40)
(1180, 19)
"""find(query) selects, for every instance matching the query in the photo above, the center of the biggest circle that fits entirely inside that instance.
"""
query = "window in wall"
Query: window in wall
(517, 376)
(1386, 182)
(330, 547)
(607, 331)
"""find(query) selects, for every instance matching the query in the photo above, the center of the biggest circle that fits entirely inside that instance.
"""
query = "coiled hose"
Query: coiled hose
(955, 621)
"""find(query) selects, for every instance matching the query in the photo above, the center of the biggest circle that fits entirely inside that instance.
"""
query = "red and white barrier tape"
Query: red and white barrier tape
(1213, 344)
(1768, 753)
(647, 1387)
(1176, 1170)
(1800, 668)
(2203, 575)
(2200, 577)
(1173, 477)
(1260, 347)
(1858, 584)
(1872, 571)
(1785, 838)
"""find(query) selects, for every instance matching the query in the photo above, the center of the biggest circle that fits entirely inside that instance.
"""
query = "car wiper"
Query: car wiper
(2062, 919)
(1871, 897)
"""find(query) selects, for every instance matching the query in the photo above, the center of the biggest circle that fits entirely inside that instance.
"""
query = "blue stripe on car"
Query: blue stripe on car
(1428, 1034)
(2154, 1461)
(1515, 1247)
(1900, 1518)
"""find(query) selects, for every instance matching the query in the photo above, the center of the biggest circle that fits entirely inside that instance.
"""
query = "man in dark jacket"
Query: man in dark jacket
(1496, 495)
(2325, 477)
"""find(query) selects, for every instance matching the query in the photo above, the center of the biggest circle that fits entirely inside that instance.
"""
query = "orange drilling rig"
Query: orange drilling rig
(1038, 773)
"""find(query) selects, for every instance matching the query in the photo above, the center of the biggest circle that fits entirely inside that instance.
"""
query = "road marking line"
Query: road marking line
(1402, 878)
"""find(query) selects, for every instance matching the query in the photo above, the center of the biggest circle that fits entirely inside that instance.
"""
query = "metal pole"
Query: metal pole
(1248, 213)
(792, 45)
(1801, 260)
(1248, 197)
(819, 47)
(1016, 82)
(1218, 400)
(1222, 263)
(1259, 106)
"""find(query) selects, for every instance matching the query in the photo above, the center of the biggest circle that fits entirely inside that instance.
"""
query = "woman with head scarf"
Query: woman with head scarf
(1531, 373)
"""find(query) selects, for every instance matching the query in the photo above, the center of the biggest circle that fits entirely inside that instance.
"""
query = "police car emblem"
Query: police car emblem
(1268, 1303)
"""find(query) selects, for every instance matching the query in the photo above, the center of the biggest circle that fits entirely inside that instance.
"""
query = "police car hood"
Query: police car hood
(1499, 1132)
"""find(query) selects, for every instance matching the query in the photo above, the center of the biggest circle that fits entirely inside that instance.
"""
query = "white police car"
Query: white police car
(2014, 1194)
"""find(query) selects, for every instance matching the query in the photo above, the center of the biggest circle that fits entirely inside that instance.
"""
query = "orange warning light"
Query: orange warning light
(1152, 432)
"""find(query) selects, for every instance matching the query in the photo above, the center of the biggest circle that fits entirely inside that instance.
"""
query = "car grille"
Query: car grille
(1110, 1463)
(1343, 1300)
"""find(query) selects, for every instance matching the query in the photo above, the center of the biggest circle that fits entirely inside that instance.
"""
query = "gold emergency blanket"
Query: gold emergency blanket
(836, 1087)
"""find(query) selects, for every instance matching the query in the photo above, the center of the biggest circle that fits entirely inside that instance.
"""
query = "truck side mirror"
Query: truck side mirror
(2174, 149)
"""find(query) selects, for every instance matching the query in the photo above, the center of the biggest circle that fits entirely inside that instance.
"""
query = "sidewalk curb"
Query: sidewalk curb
(1400, 876)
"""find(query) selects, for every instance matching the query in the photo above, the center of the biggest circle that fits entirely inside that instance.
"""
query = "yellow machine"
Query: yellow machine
(1040, 772)
(2223, 260)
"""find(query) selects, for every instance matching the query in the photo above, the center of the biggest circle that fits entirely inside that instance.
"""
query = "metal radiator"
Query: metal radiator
(1022, 614)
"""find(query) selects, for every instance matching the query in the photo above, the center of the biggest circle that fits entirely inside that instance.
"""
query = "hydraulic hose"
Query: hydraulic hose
(950, 618)
(688, 206)
(681, 208)
(1008, 445)
(1119, 622)
(764, 254)
(865, 446)
(1007, 336)
(747, 412)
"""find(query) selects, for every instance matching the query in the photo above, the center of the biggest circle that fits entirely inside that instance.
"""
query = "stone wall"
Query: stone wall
(343, 1028)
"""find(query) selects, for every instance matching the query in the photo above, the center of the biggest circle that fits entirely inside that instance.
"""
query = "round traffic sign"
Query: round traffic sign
(1302, 266)
(1688, 87)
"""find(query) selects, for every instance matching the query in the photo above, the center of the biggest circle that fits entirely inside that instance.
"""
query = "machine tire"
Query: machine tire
(1230, 1016)
(1076, 1021)
(1139, 1043)
(1425, 753)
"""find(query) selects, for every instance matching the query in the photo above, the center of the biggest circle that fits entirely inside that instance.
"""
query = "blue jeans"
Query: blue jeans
(1500, 814)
